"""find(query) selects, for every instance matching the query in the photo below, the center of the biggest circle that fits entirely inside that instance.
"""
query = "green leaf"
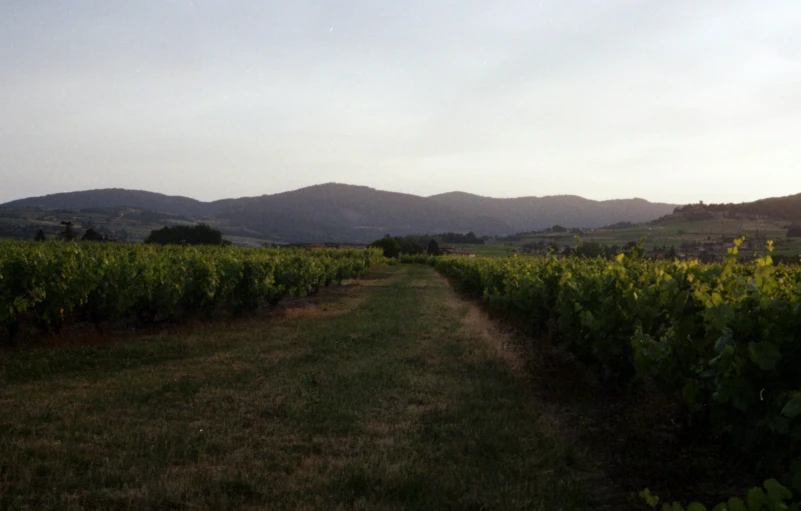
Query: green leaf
(724, 340)
(723, 360)
(756, 499)
(651, 500)
(696, 506)
(764, 354)
(795, 474)
(793, 407)
(690, 391)
(776, 491)
(742, 394)
(735, 504)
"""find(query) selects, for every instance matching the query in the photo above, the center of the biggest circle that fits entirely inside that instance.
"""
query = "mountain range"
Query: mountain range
(349, 213)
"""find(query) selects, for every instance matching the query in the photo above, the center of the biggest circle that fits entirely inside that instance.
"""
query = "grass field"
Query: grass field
(488, 250)
(390, 393)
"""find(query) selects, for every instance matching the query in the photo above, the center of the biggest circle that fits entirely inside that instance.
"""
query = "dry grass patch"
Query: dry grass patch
(500, 341)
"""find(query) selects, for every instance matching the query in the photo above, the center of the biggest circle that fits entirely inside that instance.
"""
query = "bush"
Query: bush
(390, 246)
(93, 235)
(200, 234)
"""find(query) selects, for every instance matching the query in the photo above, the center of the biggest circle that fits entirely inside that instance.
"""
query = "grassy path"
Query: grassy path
(380, 395)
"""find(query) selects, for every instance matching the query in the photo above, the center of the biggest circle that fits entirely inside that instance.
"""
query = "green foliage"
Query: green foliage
(67, 232)
(452, 237)
(390, 246)
(724, 338)
(408, 246)
(787, 208)
(93, 235)
(200, 234)
(772, 497)
(153, 283)
(433, 248)
(40, 236)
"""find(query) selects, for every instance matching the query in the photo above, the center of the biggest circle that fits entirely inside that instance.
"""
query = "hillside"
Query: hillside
(355, 213)
(779, 208)
(115, 198)
(529, 213)
(338, 212)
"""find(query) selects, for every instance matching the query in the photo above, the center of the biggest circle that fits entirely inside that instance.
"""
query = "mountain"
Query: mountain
(333, 211)
(117, 197)
(778, 208)
(338, 212)
(529, 213)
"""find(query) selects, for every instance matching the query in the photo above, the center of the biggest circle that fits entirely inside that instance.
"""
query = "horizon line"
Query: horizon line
(341, 184)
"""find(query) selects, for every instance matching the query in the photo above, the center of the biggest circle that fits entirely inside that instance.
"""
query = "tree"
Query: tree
(200, 234)
(433, 247)
(590, 250)
(390, 246)
(707, 256)
(40, 236)
(67, 232)
(93, 235)
(634, 249)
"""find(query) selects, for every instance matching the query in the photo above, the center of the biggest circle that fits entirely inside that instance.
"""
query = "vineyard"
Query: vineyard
(724, 338)
(54, 283)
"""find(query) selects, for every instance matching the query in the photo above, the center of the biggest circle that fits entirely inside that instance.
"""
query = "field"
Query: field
(390, 393)
(124, 224)
(721, 339)
(141, 377)
(488, 249)
(53, 284)
(673, 230)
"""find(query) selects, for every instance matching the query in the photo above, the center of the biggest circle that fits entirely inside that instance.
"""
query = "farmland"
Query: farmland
(53, 283)
(142, 377)
(687, 235)
(723, 338)
(378, 394)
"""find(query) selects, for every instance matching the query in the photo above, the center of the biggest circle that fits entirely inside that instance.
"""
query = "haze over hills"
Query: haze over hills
(339, 212)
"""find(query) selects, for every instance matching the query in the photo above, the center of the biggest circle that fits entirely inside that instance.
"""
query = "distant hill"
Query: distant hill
(338, 212)
(778, 208)
(117, 197)
(529, 213)
(344, 212)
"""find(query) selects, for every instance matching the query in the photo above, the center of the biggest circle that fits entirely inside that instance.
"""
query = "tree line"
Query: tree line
(200, 234)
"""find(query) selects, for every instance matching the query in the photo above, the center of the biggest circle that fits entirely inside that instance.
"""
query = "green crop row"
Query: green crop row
(725, 338)
(107, 281)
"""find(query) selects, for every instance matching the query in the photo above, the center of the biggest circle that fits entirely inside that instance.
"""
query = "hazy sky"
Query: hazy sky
(673, 101)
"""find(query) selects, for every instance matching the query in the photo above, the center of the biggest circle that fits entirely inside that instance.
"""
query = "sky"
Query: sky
(675, 101)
